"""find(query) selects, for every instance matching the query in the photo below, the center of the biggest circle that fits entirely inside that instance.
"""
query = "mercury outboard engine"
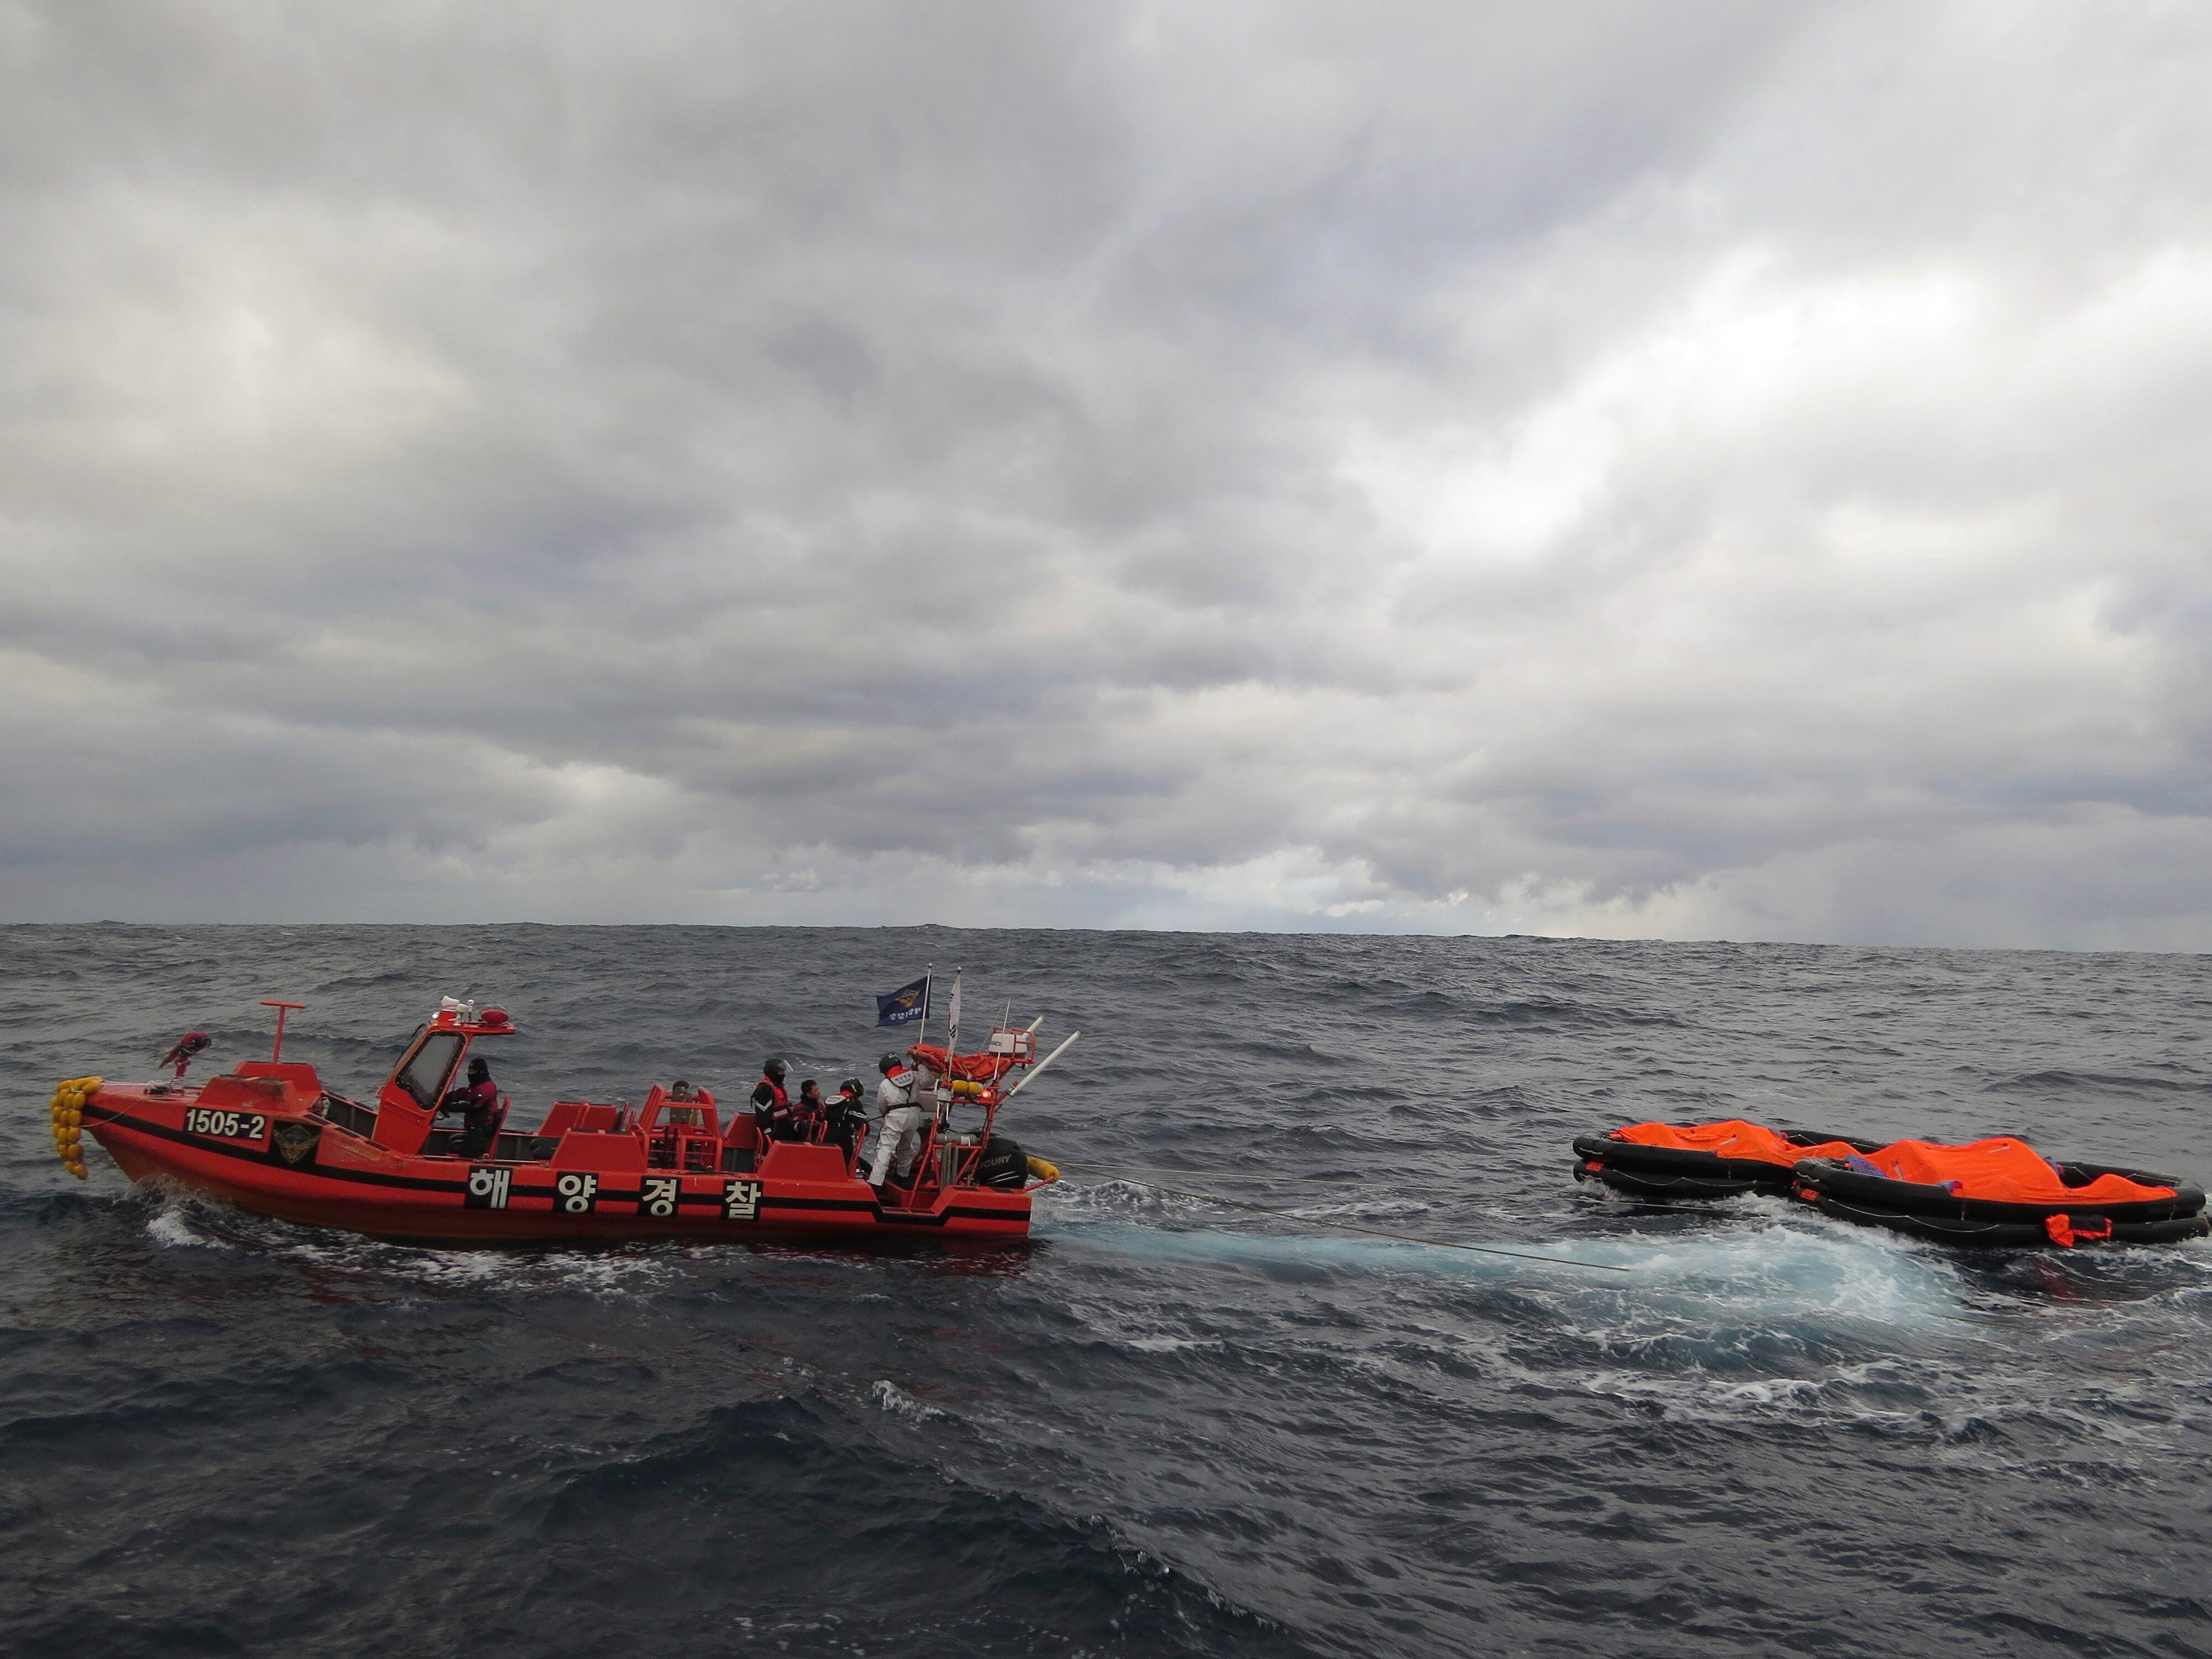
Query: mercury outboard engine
(1003, 1164)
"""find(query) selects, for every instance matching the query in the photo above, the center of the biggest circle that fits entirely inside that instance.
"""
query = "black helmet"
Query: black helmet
(851, 1085)
(773, 1067)
(890, 1063)
(479, 1070)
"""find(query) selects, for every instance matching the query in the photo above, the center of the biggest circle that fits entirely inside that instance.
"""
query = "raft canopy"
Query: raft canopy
(1731, 1138)
(2003, 1169)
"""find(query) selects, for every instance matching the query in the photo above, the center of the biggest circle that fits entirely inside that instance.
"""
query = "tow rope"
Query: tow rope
(1346, 1226)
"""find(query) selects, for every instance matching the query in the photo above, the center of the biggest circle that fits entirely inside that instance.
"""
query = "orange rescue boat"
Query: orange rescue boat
(270, 1138)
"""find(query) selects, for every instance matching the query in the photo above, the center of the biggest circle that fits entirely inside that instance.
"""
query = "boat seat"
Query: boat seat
(568, 1114)
(741, 1146)
(349, 1115)
(447, 1143)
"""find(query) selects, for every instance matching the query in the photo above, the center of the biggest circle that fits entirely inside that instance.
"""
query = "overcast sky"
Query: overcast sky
(1730, 469)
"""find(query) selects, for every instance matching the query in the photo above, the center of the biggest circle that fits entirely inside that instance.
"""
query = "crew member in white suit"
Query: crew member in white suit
(900, 1136)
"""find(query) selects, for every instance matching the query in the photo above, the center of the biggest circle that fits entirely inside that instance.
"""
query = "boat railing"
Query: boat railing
(687, 1148)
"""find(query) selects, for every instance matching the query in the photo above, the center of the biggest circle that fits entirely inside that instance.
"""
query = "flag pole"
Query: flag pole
(929, 976)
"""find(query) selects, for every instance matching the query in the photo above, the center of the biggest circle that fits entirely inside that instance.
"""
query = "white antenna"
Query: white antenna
(1036, 1068)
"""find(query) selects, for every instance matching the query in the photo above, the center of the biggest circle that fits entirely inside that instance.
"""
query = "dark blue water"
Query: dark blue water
(1160, 1427)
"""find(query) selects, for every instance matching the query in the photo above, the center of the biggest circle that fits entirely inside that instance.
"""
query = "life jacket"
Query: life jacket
(776, 1108)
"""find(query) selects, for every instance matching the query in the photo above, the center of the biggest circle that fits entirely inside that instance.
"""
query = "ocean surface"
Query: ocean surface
(1162, 1426)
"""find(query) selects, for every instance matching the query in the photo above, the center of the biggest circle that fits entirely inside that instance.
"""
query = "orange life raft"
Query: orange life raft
(2001, 1192)
(1996, 1191)
(1703, 1160)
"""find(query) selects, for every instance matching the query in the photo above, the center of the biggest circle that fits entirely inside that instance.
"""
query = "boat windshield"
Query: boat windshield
(424, 1074)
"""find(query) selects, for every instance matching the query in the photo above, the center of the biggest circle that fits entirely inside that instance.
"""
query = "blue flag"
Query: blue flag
(904, 1005)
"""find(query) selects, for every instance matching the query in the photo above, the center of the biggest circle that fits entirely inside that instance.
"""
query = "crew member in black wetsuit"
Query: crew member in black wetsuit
(772, 1109)
(478, 1104)
(845, 1115)
(811, 1114)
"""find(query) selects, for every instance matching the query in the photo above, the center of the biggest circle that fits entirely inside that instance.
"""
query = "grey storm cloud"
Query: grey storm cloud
(1609, 469)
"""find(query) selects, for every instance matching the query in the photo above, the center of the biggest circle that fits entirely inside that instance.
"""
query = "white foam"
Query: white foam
(1786, 1267)
(889, 1397)
(1113, 1200)
(463, 1267)
(171, 1227)
(184, 1218)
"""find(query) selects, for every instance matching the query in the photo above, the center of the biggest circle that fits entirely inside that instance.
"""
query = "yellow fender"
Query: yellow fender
(1043, 1171)
(67, 1110)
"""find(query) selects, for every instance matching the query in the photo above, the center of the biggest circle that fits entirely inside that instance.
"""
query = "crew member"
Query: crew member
(846, 1115)
(681, 1094)
(478, 1103)
(902, 1119)
(185, 1050)
(812, 1115)
(771, 1105)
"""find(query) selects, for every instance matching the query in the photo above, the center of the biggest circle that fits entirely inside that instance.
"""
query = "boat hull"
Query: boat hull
(299, 1167)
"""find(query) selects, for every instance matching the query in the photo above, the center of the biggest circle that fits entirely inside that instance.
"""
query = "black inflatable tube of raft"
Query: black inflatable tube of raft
(2004, 1235)
(1667, 1186)
(1831, 1179)
(1629, 1166)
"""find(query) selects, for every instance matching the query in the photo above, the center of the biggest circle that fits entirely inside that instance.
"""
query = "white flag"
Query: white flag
(952, 1008)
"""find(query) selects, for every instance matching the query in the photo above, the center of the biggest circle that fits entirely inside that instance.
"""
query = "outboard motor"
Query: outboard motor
(1003, 1164)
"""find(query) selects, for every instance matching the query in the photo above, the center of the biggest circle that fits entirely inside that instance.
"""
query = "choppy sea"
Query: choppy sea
(1161, 1426)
